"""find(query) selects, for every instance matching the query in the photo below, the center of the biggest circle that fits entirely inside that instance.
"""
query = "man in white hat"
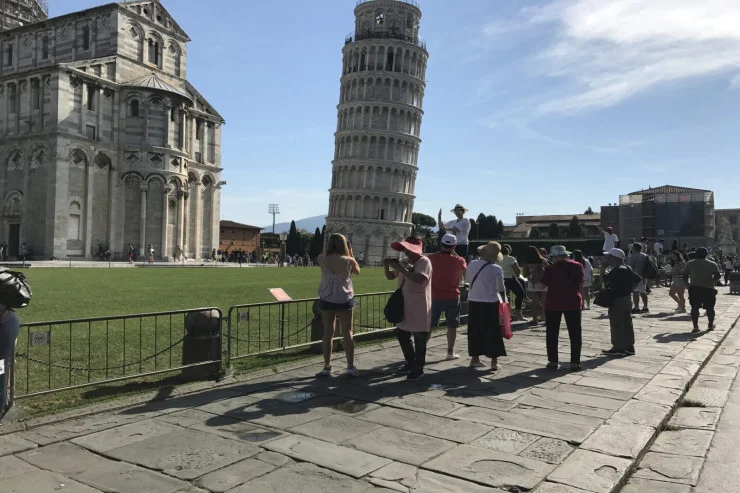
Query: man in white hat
(619, 284)
(460, 227)
(449, 269)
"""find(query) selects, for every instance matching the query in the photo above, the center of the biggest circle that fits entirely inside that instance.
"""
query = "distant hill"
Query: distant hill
(309, 224)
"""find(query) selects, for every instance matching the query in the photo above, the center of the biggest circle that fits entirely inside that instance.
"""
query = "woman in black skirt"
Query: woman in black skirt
(487, 290)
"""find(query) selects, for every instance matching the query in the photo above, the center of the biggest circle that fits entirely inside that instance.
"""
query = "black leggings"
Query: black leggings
(701, 297)
(512, 284)
(414, 353)
(552, 328)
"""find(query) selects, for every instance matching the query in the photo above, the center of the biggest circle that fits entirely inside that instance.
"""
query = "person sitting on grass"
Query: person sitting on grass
(336, 300)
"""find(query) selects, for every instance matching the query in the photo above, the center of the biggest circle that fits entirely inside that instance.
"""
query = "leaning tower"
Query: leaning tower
(378, 127)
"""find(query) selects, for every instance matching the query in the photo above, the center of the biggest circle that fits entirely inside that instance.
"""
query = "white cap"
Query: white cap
(449, 240)
(616, 252)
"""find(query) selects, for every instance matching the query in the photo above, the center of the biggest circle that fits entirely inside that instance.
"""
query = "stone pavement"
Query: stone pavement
(456, 430)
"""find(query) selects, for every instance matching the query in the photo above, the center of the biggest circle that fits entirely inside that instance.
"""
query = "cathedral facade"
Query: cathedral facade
(103, 141)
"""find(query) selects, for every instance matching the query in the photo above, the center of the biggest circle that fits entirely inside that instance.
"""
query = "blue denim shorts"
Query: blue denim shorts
(336, 307)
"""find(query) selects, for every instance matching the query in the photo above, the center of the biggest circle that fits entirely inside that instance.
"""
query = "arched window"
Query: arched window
(73, 226)
(45, 47)
(133, 108)
(154, 51)
(176, 59)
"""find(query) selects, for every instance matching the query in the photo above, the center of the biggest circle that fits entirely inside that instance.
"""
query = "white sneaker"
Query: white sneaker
(352, 372)
(452, 356)
(325, 373)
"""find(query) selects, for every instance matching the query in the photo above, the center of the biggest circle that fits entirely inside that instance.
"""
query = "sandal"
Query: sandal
(477, 364)
(496, 368)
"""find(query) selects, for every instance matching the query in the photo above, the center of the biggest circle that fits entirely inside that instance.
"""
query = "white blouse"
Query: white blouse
(489, 283)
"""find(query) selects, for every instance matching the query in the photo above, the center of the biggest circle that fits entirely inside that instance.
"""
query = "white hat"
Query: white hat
(616, 252)
(449, 240)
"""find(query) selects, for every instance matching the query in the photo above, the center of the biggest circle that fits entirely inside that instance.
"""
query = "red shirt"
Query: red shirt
(563, 281)
(446, 269)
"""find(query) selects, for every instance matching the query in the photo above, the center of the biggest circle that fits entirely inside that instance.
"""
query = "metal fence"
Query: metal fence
(69, 354)
(259, 328)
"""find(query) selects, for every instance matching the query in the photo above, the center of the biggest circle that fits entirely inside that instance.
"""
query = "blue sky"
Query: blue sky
(535, 107)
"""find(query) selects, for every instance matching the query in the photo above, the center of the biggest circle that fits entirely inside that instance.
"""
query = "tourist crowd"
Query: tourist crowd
(556, 283)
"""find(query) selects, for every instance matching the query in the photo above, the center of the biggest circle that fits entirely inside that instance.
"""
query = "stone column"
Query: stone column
(193, 137)
(181, 220)
(204, 141)
(81, 85)
(165, 222)
(167, 120)
(87, 252)
(198, 206)
(142, 231)
(111, 205)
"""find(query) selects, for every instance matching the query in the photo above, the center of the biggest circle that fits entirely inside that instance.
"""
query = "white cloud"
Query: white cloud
(735, 82)
(603, 52)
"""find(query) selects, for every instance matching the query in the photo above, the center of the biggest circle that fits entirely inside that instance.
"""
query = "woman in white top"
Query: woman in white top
(336, 299)
(588, 278)
(460, 227)
(511, 279)
(487, 290)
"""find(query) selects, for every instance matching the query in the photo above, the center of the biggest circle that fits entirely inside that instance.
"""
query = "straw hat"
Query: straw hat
(459, 207)
(491, 251)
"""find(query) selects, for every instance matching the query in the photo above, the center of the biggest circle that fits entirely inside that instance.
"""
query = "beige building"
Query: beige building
(378, 127)
(103, 141)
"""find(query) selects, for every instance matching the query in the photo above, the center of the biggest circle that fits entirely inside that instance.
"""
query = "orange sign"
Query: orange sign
(280, 294)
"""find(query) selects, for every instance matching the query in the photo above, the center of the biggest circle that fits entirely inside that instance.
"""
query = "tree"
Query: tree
(553, 231)
(491, 222)
(293, 242)
(535, 234)
(422, 223)
(317, 244)
(500, 229)
(473, 229)
(589, 211)
(481, 229)
(574, 228)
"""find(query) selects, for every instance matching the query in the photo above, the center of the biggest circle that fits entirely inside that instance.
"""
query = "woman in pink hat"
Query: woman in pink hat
(414, 274)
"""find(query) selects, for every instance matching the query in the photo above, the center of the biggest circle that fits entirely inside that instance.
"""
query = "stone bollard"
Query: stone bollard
(202, 342)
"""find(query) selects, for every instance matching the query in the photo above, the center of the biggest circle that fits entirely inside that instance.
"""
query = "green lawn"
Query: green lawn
(89, 352)
(60, 294)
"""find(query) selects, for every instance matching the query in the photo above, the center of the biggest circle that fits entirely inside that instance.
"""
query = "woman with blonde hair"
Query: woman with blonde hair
(336, 299)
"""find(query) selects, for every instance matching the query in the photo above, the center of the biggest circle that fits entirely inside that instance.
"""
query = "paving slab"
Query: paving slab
(324, 454)
(591, 471)
(638, 485)
(121, 436)
(620, 439)
(65, 430)
(507, 441)
(715, 370)
(613, 382)
(619, 395)
(64, 458)
(567, 396)
(11, 467)
(553, 429)
(46, 482)
(185, 418)
(535, 401)
(556, 415)
(407, 478)
(713, 382)
(425, 404)
(234, 475)
(659, 395)
(303, 478)
(489, 467)
(459, 431)
(12, 444)
(683, 442)
(121, 477)
(681, 368)
(670, 468)
(548, 450)
(672, 381)
(708, 397)
(702, 418)
(642, 413)
(185, 454)
(548, 487)
(404, 419)
(335, 429)
(235, 429)
(401, 445)
(277, 460)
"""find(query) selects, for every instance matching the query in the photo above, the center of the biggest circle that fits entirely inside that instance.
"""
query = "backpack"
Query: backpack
(15, 292)
(649, 270)
(393, 310)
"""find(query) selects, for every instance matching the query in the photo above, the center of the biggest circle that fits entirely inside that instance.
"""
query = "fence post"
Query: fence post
(282, 324)
(202, 342)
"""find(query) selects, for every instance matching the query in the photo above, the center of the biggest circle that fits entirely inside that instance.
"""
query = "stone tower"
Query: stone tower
(379, 122)
(16, 13)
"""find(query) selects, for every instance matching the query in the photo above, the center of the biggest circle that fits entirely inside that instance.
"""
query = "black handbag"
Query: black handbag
(393, 310)
(15, 292)
(604, 298)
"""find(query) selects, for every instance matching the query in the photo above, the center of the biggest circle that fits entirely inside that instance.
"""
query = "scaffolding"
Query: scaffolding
(16, 13)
